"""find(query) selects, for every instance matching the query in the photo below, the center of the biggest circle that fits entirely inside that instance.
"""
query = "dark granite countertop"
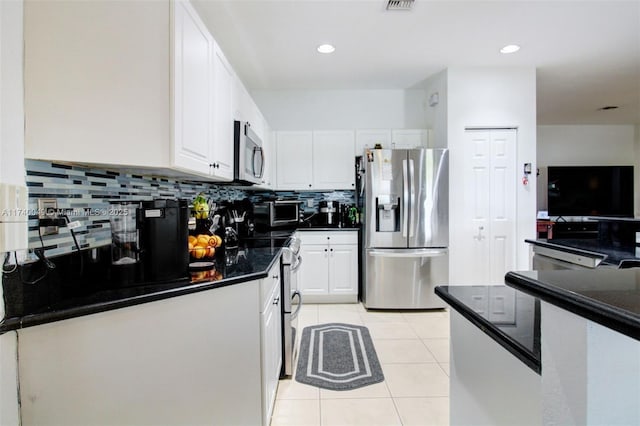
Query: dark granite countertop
(516, 328)
(65, 294)
(614, 255)
(610, 297)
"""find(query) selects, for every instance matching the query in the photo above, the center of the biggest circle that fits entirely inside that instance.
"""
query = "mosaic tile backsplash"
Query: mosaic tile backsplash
(86, 194)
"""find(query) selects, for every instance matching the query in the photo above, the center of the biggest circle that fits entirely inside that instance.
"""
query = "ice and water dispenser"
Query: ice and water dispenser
(387, 213)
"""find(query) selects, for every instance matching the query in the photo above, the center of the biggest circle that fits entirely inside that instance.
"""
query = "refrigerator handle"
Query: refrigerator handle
(405, 198)
(412, 200)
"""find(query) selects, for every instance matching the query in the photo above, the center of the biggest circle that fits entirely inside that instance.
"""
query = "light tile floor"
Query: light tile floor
(413, 349)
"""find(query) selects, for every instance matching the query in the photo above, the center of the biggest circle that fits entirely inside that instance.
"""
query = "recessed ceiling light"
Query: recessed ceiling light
(510, 48)
(326, 48)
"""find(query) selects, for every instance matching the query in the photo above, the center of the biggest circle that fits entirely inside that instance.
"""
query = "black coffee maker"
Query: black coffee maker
(164, 239)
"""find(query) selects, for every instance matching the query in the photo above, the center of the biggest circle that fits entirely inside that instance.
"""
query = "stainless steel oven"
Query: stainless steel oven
(292, 302)
(249, 158)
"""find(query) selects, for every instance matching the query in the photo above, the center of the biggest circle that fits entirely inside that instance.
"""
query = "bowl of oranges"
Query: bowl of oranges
(203, 246)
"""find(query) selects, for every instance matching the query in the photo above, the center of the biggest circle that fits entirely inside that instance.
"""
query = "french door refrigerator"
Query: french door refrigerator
(406, 221)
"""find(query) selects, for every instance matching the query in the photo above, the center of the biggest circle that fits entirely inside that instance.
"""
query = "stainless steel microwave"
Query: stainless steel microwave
(277, 214)
(249, 158)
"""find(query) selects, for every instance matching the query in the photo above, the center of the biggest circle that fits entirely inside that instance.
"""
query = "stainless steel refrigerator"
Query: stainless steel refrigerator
(406, 221)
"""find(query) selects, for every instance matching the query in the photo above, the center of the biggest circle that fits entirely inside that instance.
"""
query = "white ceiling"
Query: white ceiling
(587, 53)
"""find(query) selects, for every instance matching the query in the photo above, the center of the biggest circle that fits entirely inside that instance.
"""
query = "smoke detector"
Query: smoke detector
(399, 4)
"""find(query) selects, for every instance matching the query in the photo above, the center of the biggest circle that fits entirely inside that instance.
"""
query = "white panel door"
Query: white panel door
(222, 146)
(367, 139)
(314, 271)
(343, 269)
(409, 138)
(333, 159)
(490, 204)
(502, 232)
(294, 162)
(193, 88)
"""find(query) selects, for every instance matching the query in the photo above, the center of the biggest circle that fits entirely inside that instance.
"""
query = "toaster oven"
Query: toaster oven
(277, 214)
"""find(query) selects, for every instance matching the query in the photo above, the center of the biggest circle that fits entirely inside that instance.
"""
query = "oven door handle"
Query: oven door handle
(297, 265)
(297, 311)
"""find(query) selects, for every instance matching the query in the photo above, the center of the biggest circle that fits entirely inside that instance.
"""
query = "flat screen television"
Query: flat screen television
(590, 191)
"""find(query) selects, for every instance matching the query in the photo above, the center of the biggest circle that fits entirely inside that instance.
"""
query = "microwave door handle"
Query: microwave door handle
(253, 162)
(261, 162)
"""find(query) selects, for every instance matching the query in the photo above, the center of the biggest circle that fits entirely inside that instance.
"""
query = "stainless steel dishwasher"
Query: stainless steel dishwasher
(547, 258)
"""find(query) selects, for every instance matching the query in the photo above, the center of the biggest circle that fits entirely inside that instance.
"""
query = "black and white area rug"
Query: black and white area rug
(337, 357)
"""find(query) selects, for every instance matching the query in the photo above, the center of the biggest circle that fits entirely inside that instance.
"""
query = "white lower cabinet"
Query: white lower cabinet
(329, 272)
(211, 357)
(271, 335)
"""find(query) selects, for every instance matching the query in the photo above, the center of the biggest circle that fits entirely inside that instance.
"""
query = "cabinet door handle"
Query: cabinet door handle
(325, 250)
(330, 249)
(276, 300)
(275, 277)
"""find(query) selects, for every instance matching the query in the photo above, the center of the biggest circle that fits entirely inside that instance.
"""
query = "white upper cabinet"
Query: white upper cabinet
(367, 139)
(294, 161)
(333, 159)
(223, 145)
(140, 85)
(241, 101)
(319, 160)
(96, 82)
(408, 138)
(245, 109)
(193, 89)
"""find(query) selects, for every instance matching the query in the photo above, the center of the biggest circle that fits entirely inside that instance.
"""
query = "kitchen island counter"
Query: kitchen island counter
(609, 297)
(514, 322)
(61, 296)
(590, 332)
(494, 359)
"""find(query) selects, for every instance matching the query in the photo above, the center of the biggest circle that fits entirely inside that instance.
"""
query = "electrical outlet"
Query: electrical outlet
(48, 209)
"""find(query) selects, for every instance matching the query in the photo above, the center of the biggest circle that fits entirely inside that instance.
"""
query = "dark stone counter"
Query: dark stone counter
(610, 297)
(82, 283)
(517, 325)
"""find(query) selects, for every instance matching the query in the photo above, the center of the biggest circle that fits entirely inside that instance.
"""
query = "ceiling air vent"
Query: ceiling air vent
(399, 4)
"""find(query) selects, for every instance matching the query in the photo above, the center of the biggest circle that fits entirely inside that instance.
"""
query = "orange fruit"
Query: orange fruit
(192, 240)
(210, 251)
(218, 240)
(213, 242)
(190, 245)
(199, 252)
(203, 240)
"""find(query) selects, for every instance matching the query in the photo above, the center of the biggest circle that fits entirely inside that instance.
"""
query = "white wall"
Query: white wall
(491, 97)
(584, 145)
(11, 171)
(436, 115)
(342, 109)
